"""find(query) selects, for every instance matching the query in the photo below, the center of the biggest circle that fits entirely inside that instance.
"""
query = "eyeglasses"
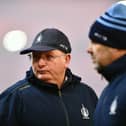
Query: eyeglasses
(47, 57)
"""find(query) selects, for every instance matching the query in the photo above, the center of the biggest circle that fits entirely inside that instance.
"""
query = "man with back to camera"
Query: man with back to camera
(49, 95)
(108, 52)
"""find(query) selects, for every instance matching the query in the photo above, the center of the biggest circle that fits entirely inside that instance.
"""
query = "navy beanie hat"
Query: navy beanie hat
(110, 28)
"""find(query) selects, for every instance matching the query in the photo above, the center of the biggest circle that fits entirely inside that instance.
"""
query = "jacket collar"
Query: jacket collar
(115, 69)
(70, 79)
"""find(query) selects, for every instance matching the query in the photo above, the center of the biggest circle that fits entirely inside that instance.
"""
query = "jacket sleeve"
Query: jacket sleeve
(9, 103)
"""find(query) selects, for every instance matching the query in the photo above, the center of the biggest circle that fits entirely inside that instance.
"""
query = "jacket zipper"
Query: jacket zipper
(64, 108)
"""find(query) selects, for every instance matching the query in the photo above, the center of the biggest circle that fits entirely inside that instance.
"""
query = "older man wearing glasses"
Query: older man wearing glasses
(50, 94)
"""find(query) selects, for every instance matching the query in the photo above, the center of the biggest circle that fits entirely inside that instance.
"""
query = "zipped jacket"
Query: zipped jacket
(31, 102)
(111, 108)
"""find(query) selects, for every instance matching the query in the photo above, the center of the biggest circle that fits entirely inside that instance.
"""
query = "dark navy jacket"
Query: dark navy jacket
(111, 108)
(31, 102)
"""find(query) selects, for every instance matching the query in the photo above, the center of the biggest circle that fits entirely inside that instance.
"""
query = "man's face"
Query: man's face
(101, 55)
(50, 66)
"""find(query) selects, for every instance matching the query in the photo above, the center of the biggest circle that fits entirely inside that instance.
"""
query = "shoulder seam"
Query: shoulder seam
(21, 87)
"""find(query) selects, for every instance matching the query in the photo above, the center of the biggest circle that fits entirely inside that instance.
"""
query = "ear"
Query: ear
(67, 59)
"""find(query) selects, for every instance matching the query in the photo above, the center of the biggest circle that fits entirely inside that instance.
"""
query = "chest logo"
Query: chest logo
(39, 39)
(113, 106)
(84, 112)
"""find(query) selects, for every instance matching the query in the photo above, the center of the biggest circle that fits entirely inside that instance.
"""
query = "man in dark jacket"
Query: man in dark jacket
(108, 52)
(50, 94)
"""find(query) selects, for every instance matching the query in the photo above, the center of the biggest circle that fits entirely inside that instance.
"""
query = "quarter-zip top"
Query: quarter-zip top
(31, 102)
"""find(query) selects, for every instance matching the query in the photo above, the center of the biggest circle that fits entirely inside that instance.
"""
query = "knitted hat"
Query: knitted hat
(110, 28)
(49, 39)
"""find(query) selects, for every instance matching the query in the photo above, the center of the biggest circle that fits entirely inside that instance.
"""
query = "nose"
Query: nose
(41, 62)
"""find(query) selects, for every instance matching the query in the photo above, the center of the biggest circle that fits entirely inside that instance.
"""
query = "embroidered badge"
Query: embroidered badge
(84, 112)
(113, 106)
(39, 39)
(63, 46)
(100, 36)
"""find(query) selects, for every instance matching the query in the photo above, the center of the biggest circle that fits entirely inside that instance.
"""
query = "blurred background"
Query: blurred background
(73, 17)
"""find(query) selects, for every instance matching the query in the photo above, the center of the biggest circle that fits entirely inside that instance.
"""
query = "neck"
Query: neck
(113, 70)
